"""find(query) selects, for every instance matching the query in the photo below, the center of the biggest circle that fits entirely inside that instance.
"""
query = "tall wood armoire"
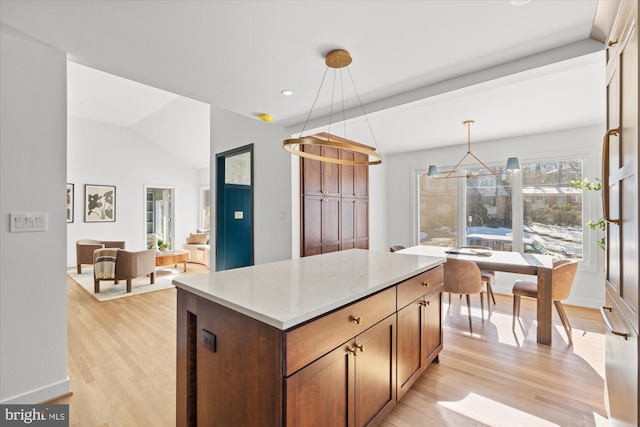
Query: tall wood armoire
(334, 202)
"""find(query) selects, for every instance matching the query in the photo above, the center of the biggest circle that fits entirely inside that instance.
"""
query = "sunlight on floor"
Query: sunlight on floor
(487, 411)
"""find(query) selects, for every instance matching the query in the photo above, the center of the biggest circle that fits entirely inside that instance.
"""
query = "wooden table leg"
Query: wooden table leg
(185, 266)
(544, 304)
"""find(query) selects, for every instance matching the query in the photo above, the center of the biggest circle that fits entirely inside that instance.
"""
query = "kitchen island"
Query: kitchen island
(332, 339)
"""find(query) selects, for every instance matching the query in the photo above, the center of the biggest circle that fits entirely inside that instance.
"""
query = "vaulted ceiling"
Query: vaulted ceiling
(420, 67)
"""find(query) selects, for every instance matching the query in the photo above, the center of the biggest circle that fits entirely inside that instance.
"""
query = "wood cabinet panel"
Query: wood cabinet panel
(417, 286)
(227, 395)
(320, 178)
(410, 320)
(375, 373)
(321, 230)
(321, 394)
(622, 309)
(306, 343)
(344, 222)
(419, 336)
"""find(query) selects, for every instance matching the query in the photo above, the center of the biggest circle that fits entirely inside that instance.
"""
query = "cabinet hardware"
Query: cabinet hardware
(360, 347)
(356, 319)
(425, 284)
(353, 351)
(612, 43)
(605, 175)
(425, 303)
(607, 322)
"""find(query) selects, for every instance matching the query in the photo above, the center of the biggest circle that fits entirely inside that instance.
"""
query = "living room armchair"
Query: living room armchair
(86, 247)
(125, 265)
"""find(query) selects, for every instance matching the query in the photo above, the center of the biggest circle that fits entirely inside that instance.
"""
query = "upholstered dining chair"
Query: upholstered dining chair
(463, 277)
(488, 276)
(564, 271)
(396, 248)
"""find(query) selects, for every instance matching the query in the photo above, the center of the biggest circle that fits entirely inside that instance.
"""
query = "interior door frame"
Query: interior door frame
(218, 194)
(172, 214)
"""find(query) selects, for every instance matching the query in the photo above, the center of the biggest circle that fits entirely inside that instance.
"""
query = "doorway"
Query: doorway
(159, 216)
(234, 208)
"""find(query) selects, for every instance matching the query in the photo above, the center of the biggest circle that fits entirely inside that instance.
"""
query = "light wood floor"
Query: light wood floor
(122, 367)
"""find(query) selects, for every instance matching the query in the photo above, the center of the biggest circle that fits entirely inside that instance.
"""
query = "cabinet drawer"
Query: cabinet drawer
(308, 342)
(414, 288)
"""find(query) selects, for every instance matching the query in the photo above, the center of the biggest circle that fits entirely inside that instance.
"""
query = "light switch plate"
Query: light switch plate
(28, 221)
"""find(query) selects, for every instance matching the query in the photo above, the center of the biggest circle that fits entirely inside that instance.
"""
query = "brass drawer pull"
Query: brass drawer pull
(353, 351)
(360, 347)
(426, 284)
(425, 303)
(607, 322)
(605, 175)
(356, 319)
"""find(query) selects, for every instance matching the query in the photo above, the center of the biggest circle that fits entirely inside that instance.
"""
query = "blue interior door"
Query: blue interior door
(234, 209)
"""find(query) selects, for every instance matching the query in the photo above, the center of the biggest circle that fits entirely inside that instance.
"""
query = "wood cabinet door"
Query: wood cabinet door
(321, 394)
(321, 227)
(321, 178)
(410, 357)
(375, 372)
(622, 271)
(361, 221)
(432, 327)
(354, 179)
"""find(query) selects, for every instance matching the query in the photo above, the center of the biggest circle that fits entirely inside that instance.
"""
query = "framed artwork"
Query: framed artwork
(70, 196)
(99, 203)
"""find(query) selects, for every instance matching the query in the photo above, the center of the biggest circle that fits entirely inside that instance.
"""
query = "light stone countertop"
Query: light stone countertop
(286, 293)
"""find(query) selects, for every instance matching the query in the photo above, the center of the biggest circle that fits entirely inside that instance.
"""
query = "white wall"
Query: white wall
(103, 154)
(33, 283)
(401, 181)
(272, 180)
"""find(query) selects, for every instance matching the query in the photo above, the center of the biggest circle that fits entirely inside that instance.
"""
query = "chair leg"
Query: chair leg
(449, 299)
(79, 269)
(96, 286)
(482, 305)
(469, 311)
(490, 292)
(516, 311)
(564, 319)
(129, 285)
(153, 277)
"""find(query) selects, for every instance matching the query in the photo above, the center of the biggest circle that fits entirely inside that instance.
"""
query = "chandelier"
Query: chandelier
(336, 60)
(512, 162)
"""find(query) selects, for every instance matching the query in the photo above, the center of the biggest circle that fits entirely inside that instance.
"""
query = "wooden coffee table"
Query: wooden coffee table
(172, 257)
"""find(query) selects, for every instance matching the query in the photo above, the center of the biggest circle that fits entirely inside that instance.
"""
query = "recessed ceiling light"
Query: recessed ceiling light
(287, 92)
(519, 2)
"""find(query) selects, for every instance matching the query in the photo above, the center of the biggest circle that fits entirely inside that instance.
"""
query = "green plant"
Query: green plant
(599, 223)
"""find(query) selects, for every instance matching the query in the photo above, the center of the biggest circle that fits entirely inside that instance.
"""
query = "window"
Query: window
(551, 210)
(552, 207)
(438, 208)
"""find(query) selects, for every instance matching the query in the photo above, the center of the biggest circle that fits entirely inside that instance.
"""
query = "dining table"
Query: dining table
(511, 262)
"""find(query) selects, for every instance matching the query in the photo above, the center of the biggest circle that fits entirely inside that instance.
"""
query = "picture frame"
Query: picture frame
(99, 203)
(70, 200)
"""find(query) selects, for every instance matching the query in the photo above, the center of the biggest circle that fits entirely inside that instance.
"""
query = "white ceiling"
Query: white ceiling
(421, 67)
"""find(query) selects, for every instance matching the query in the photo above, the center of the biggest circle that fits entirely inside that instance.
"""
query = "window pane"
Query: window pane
(238, 169)
(489, 209)
(438, 211)
(553, 208)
